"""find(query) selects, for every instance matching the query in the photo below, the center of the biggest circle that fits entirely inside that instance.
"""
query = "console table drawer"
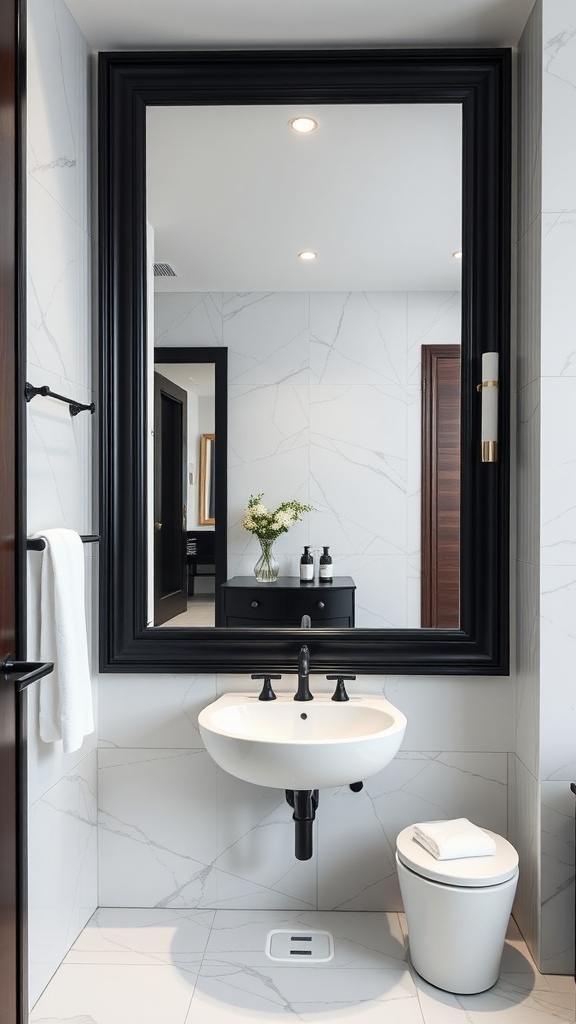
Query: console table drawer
(256, 604)
(320, 604)
(283, 603)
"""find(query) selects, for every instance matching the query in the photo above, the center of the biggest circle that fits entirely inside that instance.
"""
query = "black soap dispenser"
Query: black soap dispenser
(326, 568)
(306, 566)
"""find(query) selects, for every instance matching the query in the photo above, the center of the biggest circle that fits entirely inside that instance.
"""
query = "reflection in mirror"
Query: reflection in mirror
(185, 489)
(207, 489)
(329, 399)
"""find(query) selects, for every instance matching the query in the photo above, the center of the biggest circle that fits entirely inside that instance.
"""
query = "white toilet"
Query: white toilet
(457, 912)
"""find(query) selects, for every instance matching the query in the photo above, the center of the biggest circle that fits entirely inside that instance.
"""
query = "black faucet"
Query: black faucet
(303, 691)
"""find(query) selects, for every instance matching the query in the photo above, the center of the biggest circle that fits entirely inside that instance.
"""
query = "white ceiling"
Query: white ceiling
(197, 378)
(234, 195)
(232, 200)
(190, 24)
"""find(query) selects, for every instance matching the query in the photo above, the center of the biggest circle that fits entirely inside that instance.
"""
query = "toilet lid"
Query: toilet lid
(466, 871)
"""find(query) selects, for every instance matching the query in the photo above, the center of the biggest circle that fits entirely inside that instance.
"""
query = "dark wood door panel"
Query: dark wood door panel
(440, 584)
(13, 1004)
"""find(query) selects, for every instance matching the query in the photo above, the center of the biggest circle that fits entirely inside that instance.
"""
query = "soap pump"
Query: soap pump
(326, 567)
(306, 566)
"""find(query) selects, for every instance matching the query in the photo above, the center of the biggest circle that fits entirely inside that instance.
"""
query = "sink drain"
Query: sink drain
(299, 946)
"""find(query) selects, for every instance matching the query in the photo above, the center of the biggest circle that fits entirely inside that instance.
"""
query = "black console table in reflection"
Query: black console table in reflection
(200, 556)
(246, 602)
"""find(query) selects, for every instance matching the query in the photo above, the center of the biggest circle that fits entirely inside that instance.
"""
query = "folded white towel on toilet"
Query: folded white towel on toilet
(449, 840)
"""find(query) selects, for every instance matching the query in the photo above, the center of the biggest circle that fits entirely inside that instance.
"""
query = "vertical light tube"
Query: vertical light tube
(489, 391)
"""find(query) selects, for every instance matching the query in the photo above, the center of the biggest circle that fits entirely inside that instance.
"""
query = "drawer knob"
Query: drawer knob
(321, 604)
(255, 604)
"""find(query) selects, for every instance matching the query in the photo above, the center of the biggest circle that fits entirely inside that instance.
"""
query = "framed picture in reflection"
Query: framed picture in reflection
(206, 514)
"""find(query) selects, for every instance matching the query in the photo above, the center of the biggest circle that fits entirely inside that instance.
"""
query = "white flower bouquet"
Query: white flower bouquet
(268, 525)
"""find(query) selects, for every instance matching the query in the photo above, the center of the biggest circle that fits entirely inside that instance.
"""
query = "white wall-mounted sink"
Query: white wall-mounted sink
(301, 745)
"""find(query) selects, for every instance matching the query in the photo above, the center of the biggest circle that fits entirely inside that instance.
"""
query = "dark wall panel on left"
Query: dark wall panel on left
(12, 554)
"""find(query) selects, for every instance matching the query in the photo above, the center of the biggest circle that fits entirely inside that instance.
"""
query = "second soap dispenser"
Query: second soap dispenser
(326, 567)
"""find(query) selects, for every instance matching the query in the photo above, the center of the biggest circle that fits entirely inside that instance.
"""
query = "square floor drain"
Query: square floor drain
(299, 947)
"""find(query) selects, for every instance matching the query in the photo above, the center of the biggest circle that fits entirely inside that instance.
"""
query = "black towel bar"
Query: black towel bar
(38, 543)
(30, 392)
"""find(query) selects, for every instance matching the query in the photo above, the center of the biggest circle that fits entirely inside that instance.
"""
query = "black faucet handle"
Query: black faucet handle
(340, 691)
(267, 693)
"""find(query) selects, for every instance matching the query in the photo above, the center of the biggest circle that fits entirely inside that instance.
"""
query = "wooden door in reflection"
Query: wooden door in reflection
(440, 586)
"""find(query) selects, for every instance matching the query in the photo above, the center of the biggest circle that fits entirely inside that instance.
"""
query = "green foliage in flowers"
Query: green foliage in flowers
(268, 525)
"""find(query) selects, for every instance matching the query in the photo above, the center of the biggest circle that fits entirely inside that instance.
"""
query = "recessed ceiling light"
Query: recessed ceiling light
(457, 255)
(303, 125)
(307, 255)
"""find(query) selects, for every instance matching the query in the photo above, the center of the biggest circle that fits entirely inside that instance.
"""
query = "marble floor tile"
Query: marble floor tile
(361, 940)
(162, 966)
(136, 936)
(506, 1002)
(114, 994)
(231, 992)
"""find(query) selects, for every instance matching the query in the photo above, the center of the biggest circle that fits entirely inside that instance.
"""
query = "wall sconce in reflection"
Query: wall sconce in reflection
(489, 391)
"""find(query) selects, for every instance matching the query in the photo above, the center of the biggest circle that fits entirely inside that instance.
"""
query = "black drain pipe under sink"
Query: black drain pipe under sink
(304, 802)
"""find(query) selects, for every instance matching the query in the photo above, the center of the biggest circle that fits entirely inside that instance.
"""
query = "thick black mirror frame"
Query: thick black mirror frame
(479, 80)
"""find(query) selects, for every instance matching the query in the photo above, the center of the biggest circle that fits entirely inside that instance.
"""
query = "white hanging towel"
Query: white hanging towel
(66, 694)
(450, 840)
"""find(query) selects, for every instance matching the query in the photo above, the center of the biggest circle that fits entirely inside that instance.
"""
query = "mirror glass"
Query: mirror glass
(344, 370)
(183, 513)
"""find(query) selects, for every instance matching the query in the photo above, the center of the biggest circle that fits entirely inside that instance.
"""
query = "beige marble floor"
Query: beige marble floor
(200, 612)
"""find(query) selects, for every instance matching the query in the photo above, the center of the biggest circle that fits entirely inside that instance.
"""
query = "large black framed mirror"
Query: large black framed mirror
(478, 81)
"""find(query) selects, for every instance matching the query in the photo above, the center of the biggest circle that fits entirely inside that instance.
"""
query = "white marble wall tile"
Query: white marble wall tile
(153, 711)
(529, 304)
(558, 651)
(525, 837)
(434, 318)
(59, 462)
(267, 337)
(358, 435)
(255, 841)
(529, 121)
(177, 832)
(358, 337)
(62, 845)
(528, 474)
(416, 786)
(557, 914)
(558, 296)
(559, 105)
(268, 452)
(59, 257)
(60, 252)
(451, 713)
(381, 595)
(57, 103)
(47, 762)
(355, 341)
(558, 472)
(527, 710)
(413, 470)
(188, 319)
(157, 827)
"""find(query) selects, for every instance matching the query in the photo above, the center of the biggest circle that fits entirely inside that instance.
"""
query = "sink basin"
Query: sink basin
(301, 745)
